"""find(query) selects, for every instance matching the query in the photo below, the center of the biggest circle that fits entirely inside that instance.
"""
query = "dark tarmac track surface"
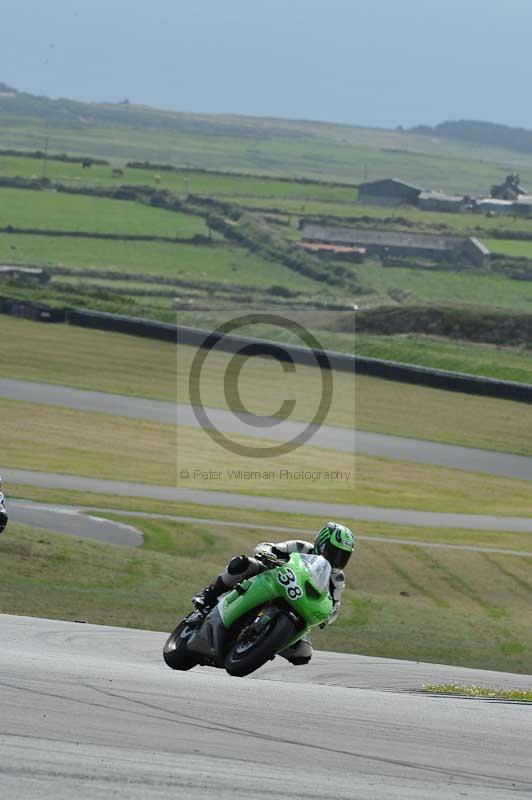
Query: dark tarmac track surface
(341, 439)
(92, 712)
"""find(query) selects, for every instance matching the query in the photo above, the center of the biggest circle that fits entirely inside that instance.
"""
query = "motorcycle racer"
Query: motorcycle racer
(335, 542)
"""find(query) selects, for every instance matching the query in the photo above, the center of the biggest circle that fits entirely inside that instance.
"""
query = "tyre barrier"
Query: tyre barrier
(30, 310)
(135, 326)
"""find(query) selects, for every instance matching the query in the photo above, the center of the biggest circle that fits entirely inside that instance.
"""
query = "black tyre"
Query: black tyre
(175, 651)
(252, 649)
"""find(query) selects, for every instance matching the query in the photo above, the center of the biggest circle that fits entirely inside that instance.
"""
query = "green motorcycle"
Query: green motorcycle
(255, 620)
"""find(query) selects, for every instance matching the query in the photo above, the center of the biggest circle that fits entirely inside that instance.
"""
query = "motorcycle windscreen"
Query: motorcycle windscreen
(319, 571)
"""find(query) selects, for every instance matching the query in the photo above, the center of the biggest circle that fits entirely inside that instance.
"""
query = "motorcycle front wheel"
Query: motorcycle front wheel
(255, 646)
(175, 651)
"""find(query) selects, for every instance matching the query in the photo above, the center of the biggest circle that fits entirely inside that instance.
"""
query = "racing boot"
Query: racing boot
(205, 600)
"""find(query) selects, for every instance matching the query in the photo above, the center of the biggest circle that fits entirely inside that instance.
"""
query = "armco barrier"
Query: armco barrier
(389, 370)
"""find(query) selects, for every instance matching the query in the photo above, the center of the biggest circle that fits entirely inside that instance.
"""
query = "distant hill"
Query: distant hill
(488, 134)
(84, 115)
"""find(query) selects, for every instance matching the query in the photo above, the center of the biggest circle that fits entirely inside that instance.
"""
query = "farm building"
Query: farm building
(510, 189)
(388, 192)
(394, 243)
(491, 205)
(477, 252)
(435, 201)
(523, 205)
(334, 251)
(28, 274)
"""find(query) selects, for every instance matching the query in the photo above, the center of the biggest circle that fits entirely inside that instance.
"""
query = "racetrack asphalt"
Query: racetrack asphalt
(393, 516)
(326, 436)
(91, 711)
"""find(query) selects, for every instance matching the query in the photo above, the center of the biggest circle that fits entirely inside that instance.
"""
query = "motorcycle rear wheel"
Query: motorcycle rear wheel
(175, 651)
(244, 658)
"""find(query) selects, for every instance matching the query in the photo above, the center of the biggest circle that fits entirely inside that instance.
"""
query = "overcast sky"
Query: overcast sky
(378, 62)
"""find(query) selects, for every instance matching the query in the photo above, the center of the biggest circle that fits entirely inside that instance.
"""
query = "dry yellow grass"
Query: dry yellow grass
(263, 385)
(62, 440)
(134, 366)
(424, 413)
(86, 359)
(53, 439)
(372, 481)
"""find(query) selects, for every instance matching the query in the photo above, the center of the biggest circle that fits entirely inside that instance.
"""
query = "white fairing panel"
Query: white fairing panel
(319, 571)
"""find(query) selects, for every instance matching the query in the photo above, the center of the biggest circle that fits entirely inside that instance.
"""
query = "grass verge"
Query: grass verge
(519, 695)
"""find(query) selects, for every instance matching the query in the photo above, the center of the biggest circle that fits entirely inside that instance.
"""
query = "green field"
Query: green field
(277, 147)
(231, 264)
(403, 602)
(23, 208)
(227, 264)
(371, 284)
(182, 182)
(508, 247)
(404, 217)
(476, 288)
(300, 199)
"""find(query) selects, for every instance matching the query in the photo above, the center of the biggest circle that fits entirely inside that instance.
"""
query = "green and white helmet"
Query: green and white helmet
(335, 542)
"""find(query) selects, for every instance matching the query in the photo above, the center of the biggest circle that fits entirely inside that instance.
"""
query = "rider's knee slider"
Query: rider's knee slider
(237, 565)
